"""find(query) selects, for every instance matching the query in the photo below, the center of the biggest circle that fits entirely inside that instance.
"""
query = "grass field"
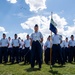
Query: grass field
(20, 69)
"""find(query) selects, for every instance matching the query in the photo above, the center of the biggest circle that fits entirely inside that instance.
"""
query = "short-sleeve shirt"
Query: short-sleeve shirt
(56, 39)
(10, 43)
(22, 44)
(4, 42)
(27, 43)
(36, 36)
(48, 44)
(66, 44)
(72, 43)
(15, 42)
(62, 44)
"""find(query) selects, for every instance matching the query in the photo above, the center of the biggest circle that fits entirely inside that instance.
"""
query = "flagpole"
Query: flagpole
(51, 46)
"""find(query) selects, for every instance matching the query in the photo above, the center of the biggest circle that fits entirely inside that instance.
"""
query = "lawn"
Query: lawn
(20, 69)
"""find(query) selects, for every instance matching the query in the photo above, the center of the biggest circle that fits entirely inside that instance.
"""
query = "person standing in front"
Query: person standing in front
(36, 51)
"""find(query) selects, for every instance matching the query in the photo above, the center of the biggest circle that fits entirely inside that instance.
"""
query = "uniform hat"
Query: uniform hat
(15, 34)
(72, 36)
(3, 33)
(36, 25)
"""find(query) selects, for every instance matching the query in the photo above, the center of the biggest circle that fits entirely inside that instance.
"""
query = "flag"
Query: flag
(53, 26)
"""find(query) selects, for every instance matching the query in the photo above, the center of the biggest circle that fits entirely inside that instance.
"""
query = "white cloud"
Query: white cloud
(22, 35)
(44, 22)
(36, 5)
(12, 1)
(2, 29)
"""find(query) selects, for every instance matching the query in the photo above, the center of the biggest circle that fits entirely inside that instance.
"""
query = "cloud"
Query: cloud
(36, 5)
(63, 28)
(22, 35)
(2, 29)
(44, 23)
(12, 1)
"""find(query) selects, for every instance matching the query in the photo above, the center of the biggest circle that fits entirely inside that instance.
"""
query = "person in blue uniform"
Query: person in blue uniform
(4, 47)
(56, 49)
(66, 45)
(71, 46)
(0, 52)
(62, 50)
(10, 49)
(47, 47)
(36, 51)
(27, 50)
(15, 52)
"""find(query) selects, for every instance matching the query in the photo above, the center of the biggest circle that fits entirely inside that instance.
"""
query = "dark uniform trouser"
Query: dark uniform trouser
(20, 51)
(63, 54)
(15, 54)
(10, 54)
(66, 54)
(27, 55)
(71, 55)
(0, 55)
(56, 54)
(74, 53)
(4, 54)
(36, 51)
(47, 55)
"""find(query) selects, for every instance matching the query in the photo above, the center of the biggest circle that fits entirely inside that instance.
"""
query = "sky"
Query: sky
(20, 16)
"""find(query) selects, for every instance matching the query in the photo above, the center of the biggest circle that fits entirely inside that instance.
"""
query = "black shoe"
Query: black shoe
(12, 62)
(39, 68)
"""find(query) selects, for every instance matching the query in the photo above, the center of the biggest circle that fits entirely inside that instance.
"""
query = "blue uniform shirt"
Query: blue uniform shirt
(36, 36)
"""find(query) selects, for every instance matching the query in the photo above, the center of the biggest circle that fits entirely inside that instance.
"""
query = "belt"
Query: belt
(36, 40)
(71, 46)
(15, 46)
(26, 47)
(56, 44)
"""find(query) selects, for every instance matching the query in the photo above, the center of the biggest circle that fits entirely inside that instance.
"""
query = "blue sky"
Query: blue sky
(20, 16)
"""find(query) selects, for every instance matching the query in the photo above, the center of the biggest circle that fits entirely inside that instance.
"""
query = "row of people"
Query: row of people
(60, 50)
(15, 49)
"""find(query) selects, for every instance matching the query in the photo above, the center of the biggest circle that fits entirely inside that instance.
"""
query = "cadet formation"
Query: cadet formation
(30, 51)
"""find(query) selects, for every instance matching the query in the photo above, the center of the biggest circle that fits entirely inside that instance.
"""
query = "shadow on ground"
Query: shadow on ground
(55, 72)
(32, 69)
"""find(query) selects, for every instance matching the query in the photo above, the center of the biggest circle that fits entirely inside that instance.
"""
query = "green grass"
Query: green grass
(20, 69)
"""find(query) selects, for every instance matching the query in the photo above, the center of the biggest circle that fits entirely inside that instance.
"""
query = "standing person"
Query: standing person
(36, 50)
(62, 50)
(66, 44)
(56, 49)
(0, 52)
(10, 48)
(47, 49)
(21, 50)
(15, 52)
(4, 46)
(71, 45)
(27, 50)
